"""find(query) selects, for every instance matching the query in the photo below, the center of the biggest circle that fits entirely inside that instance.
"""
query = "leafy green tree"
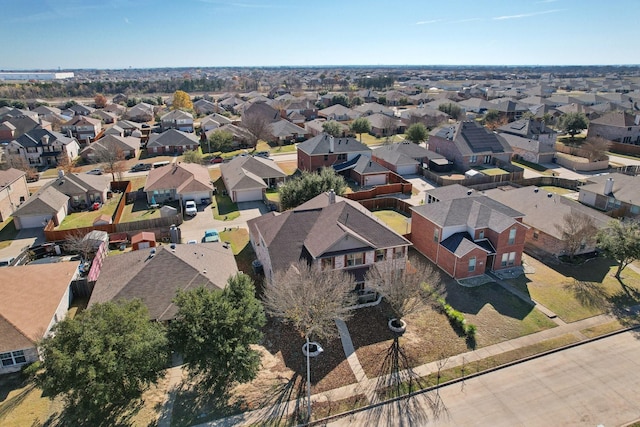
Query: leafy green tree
(573, 123)
(103, 359)
(308, 185)
(192, 156)
(332, 128)
(340, 99)
(417, 133)
(492, 119)
(620, 241)
(214, 329)
(361, 125)
(382, 100)
(454, 111)
(220, 140)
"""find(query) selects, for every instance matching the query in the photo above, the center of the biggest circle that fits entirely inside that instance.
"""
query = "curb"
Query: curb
(474, 375)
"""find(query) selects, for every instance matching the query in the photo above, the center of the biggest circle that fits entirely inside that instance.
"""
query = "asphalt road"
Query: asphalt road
(595, 384)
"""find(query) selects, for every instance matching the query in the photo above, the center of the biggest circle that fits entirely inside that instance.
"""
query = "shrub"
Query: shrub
(457, 320)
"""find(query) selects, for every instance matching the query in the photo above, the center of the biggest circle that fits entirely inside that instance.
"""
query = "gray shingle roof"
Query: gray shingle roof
(625, 188)
(172, 137)
(319, 145)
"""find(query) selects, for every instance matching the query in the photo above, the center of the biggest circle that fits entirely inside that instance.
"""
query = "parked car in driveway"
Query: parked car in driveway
(217, 159)
(190, 208)
(211, 236)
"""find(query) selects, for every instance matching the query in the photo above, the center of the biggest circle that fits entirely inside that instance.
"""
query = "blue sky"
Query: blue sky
(47, 34)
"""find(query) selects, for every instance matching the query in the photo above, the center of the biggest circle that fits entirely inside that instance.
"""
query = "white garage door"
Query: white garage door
(407, 170)
(375, 179)
(34, 221)
(143, 245)
(248, 195)
(196, 196)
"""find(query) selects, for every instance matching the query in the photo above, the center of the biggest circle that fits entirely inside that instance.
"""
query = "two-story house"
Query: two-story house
(467, 234)
(328, 231)
(43, 148)
(325, 150)
(84, 129)
(530, 139)
(468, 144)
(13, 191)
(617, 126)
(177, 119)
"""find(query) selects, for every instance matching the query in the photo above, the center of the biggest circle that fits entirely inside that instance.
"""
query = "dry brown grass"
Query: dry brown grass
(288, 167)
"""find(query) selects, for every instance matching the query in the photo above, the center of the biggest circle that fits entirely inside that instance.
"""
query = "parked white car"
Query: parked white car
(190, 208)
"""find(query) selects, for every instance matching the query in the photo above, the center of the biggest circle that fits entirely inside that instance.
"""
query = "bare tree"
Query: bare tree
(389, 126)
(111, 157)
(66, 164)
(18, 162)
(76, 243)
(577, 229)
(407, 288)
(596, 148)
(258, 127)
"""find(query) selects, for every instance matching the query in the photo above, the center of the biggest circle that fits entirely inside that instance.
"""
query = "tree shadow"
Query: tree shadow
(194, 404)
(397, 378)
(592, 270)
(371, 325)
(472, 300)
(285, 403)
(116, 415)
(589, 294)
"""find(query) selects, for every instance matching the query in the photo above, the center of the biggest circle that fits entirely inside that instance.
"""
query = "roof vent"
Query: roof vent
(549, 195)
(535, 190)
(469, 192)
(173, 246)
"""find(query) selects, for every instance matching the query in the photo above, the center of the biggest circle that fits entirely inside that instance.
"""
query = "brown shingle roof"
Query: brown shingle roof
(184, 177)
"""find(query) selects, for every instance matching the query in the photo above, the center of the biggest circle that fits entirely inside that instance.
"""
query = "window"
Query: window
(481, 234)
(342, 157)
(436, 235)
(398, 252)
(13, 358)
(380, 253)
(535, 234)
(472, 264)
(512, 236)
(505, 259)
(473, 159)
(326, 157)
(512, 258)
(487, 159)
(354, 259)
(327, 263)
(635, 209)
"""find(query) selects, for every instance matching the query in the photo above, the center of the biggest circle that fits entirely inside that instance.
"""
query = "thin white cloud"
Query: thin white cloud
(459, 21)
(526, 15)
(433, 21)
(126, 20)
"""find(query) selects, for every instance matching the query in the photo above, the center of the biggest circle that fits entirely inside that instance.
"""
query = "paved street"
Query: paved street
(592, 384)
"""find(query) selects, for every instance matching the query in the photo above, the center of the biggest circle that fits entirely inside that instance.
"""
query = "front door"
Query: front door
(489, 266)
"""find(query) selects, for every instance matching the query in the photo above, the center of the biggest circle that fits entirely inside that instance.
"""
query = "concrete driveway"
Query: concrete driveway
(194, 228)
(25, 238)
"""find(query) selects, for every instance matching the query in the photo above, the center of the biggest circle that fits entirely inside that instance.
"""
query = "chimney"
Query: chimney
(332, 197)
(608, 186)
(45, 139)
(60, 173)
(331, 144)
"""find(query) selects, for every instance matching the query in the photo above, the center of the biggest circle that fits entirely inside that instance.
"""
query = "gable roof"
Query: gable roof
(156, 279)
(544, 210)
(474, 212)
(314, 227)
(26, 312)
(471, 137)
(284, 128)
(176, 115)
(625, 187)
(34, 137)
(9, 176)
(406, 148)
(364, 165)
(339, 110)
(618, 119)
(47, 200)
(171, 138)
(526, 128)
(320, 145)
(183, 177)
(114, 142)
(247, 172)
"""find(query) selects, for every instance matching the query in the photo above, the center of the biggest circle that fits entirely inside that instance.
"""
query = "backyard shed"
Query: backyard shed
(143, 240)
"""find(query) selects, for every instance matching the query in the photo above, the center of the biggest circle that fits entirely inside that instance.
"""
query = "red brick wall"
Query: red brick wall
(501, 243)
(384, 163)
(462, 266)
(422, 236)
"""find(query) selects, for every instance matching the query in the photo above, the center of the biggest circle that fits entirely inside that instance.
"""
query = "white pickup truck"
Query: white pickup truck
(190, 208)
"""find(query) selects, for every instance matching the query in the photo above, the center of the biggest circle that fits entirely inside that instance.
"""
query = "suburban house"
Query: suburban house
(16, 126)
(612, 192)
(13, 191)
(315, 127)
(115, 109)
(467, 234)
(339, 113)
(405, 158)
(365, 171)
(81, 110)
(545, 214)
(105, 116)
(203, 106)
(384, 125)
(429, 117)
(509, 110)
(242, 138)
(172, 142)
(84, 129)
(155, 275)
(530, 129)
(325, 151)
(468, 145)
(178, 181)
(530, 149)
(128, 127)
(284, 131)
(329, 232)
(141, 112)
(177, 119)
(214, 121)
(43, 148)
(27, 313)
(259, 112)
(55, 199)
(127, 146)
(370, 108)
(303, 107)
(616, 126)
(246, 178)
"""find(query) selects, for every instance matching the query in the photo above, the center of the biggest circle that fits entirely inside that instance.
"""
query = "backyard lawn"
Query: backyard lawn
(372, 140)
(396, 221)
(289, 166)
(86, 218)
(8, 232)
(576, 292)
(494, 171)
(139, 210)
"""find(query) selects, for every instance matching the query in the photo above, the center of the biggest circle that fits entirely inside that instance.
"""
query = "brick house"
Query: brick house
(13, 191)
(171, 142)
(617, 126)
(468, 235)
(325, 151)
(612, 192)
(469, 144)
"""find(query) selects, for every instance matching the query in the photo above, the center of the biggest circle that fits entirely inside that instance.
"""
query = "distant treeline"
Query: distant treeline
(377, 82)
(47, 90)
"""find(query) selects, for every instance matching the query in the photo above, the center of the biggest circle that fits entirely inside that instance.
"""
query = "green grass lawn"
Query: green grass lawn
(86, 218)
(396, 221)
(273, 195)
(139, 210)
(224, 209)
(576, 292)
(138, 182)
(494, 171)
(8, 232)
(372, 140)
